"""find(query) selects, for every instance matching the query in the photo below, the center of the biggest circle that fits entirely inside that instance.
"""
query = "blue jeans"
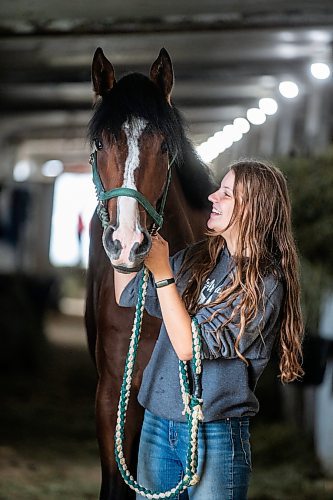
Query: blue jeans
(224, 457)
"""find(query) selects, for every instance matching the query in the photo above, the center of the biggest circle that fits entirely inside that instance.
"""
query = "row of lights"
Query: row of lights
(216, 144)
(231, 133)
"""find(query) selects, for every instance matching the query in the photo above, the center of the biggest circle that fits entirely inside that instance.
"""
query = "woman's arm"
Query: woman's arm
(120, 282)
(177, 321)
(175, 316)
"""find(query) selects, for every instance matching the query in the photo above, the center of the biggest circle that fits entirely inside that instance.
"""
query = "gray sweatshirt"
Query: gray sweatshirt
(227, 383)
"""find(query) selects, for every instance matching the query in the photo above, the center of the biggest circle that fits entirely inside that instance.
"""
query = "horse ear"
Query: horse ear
(102, 73)
(161, 73)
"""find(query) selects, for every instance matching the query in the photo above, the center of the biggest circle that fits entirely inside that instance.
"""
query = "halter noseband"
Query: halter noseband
(103, 195)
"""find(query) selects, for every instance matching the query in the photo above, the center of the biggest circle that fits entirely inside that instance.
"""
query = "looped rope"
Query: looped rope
(192, 405)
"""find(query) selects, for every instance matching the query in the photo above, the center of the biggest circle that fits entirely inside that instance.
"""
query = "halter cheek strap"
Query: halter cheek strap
(103, 195)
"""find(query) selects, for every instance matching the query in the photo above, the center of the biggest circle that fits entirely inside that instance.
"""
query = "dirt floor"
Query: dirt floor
(48, 448)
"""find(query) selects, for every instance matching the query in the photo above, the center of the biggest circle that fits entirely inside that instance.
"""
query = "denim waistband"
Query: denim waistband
(244, 419)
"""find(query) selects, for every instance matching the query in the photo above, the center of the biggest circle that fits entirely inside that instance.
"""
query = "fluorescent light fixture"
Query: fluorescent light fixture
(22, 171)
(226, 138)
(288, 89)
(219, 135)
(242, 125)
(256, 116)
(232, 133)
(213, 147)
(219, 142)
(222, 140)
(268, 105)
(52, 168)
(321, 71)
(206, 152)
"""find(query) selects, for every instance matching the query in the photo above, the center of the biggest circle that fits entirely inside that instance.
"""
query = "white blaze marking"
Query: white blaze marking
(128, 231)
(133, 131)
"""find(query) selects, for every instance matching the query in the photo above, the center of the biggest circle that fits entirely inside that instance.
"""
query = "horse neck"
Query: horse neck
(183, 224)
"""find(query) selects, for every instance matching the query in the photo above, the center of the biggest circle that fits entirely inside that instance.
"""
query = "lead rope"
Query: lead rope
(192, 405)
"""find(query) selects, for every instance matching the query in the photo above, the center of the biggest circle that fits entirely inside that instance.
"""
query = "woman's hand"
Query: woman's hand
(157, 260)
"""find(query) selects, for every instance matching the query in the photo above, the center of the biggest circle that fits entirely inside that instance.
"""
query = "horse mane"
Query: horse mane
(136, 96)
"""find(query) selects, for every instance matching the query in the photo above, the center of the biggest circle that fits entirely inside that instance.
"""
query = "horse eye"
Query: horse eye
(164, 147)
(98, 144)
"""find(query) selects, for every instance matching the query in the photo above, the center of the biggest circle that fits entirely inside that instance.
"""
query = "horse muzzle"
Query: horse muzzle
(126, 248)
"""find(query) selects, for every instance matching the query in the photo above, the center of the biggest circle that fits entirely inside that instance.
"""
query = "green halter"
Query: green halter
(103, 195)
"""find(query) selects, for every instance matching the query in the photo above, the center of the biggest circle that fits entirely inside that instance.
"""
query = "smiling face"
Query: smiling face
(223, 203)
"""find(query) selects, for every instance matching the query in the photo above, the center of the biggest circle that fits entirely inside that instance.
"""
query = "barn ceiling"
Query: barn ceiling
(226, 55)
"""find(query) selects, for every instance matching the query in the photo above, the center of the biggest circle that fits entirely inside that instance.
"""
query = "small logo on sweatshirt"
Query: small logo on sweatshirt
(209, 291)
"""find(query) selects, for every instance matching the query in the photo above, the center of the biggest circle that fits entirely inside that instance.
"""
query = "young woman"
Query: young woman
(241, 283)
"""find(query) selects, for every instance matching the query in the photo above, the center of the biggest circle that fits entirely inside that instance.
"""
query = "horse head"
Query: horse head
(135, 134)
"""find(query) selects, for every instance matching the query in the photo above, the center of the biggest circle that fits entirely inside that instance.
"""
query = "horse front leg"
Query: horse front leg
(107, 396)
(112, 486)
(114, 330)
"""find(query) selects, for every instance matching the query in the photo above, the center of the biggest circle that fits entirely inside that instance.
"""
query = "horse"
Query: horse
(138, 137)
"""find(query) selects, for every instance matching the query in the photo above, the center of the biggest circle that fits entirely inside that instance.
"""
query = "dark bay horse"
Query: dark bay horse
(136, 133)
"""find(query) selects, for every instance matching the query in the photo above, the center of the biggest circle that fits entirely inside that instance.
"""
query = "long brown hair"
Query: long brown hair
(263, 213)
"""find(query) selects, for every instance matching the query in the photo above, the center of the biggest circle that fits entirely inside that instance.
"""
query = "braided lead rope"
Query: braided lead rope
(103, 214)
(192, 409)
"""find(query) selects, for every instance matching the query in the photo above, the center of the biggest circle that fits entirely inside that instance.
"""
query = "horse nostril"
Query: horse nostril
(116, 246)
(140, 250)
(112, 247)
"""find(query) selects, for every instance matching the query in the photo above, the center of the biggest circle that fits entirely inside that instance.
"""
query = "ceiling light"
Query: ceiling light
(321, 71)
(208, 151)
(288, 89)
(268, 105)
(22, 171)
(52, 168)
(256, 116)
(223, 139)
(232, 133)
(242, 125)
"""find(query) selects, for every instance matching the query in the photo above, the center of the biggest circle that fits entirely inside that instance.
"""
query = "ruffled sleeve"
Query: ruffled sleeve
(256, 342)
